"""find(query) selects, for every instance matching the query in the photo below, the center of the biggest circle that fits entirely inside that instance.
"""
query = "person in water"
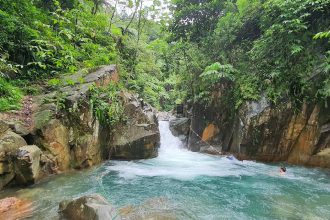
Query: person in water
(282, 170)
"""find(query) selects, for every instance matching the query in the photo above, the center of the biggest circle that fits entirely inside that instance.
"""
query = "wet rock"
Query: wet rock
(91, 207)
(211, 150)
(14, 208)
(164, 116)
(180, 126)
(27, 165)
(262, 131)
(138, 138)
(48, 164)
(10, 142)
(158, 208)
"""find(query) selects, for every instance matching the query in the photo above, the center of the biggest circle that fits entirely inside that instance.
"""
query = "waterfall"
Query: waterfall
(174, 161)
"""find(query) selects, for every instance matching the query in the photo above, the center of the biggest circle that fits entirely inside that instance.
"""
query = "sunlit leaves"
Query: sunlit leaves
(322, 35)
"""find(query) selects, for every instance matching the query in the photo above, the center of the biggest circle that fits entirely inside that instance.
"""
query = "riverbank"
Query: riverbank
(189, 185)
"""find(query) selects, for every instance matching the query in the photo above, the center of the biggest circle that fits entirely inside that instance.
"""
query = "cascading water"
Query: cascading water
(181, 184)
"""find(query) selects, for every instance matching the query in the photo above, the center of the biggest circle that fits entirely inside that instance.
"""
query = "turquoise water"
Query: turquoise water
(190, 185)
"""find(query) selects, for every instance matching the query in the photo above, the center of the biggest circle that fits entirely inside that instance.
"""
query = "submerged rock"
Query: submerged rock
(158, 208)
(211, 150)
(14, 208)
(91, 207)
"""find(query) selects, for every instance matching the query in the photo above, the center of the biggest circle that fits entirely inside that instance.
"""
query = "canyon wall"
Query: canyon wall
(261, 131)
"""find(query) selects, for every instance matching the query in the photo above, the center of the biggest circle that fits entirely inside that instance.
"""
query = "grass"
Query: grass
(10, 96)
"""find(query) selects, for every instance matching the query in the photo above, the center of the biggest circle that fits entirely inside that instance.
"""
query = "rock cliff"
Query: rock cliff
(58, 130)
(263, 131)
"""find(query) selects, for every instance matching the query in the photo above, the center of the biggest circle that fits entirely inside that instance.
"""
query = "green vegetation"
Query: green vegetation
(10, 96)
(277, 48)
(106, 104)
(42, 40)
(280, 48)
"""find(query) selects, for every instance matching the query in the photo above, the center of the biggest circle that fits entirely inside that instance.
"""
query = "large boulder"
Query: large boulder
(54, 137)
(180, 126)
(27, 165)
(91, 207)
(64, 124)
(10, 142)
(138, 137)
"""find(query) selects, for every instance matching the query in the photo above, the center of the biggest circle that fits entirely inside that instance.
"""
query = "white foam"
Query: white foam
(176, 162)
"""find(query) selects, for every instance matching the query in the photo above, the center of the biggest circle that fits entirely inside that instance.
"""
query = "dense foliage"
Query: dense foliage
(276, 48)
(42, 40)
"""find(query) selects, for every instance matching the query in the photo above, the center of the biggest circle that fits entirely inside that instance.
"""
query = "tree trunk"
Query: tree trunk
(113, 14)
(139, 22)
(132, 18)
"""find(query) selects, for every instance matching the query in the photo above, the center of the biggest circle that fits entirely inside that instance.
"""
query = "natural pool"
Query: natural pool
(187, 185)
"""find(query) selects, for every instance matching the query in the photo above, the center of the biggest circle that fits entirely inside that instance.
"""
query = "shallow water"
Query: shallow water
(191, 186)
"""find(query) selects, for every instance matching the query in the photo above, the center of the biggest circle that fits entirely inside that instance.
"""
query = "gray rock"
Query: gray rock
(180, 126)
(27, 165)
(3, 127)
(20, 129)
(91, 207)
(214, 150)
(10, 142)
(138, 138)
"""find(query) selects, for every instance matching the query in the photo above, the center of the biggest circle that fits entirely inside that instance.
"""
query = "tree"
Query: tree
(195, 19)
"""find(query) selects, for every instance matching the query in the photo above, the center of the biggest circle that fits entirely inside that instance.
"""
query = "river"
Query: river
(186, 185)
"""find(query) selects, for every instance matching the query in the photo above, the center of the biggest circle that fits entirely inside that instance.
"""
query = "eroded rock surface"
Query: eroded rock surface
(10, 143)
(57, 131)
(91, 207)
(261, 131)
(179, 126)
(138, 137)
(27, 165)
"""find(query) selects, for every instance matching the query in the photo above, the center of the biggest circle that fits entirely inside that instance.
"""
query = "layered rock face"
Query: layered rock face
(65, 125)
(280, 134)
(261, 131)
(62, 131)
(138, 137)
